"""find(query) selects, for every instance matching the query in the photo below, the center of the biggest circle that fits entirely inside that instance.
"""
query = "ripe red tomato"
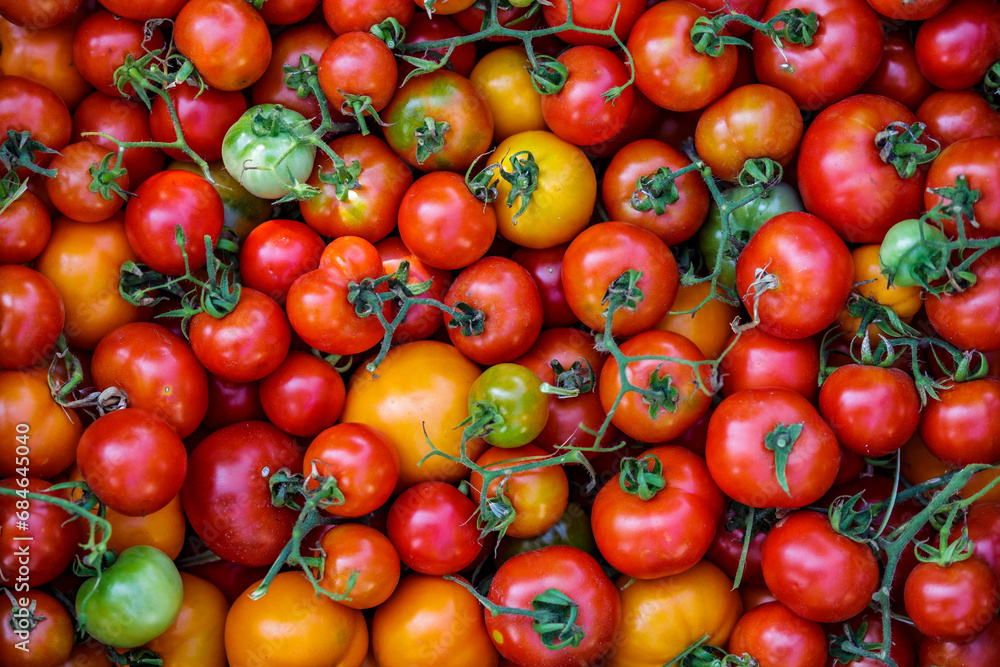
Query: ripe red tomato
(205, 115)
(126, 120)
(953, 115)
(774, 635)
(354, 547)
(32, 317)
(952, 602)
(898, 76)
(303, 396)
(958, 45)
(432, 526)
(276, 253)
(596, 14)
(47, 529)
(757, 359)
(226, 40)
(69, 190)
(103, 41)
(959, 428)
(361, 65)
(979, 160)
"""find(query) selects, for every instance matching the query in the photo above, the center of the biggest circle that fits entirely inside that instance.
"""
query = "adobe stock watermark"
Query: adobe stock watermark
(22, 614)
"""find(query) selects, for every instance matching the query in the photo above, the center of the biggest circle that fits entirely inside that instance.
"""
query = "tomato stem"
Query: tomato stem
(781, 440)
(19, 151)
(899, 145)
(642, 477)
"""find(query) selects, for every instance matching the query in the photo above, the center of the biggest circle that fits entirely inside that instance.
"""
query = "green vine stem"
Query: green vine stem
(554, 614)
(18, 151)
(702, 654)
(797, 27)
(899, 145)
(137, 657)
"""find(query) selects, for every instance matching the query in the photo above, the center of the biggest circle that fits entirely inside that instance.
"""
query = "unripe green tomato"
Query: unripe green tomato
(909, 255)
(515, 394)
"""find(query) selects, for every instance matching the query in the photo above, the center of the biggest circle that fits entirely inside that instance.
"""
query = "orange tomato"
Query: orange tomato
(708, 328)
(354, 547)
(503, 78)
(917, 465)
(196, 639)
(49, 431)
(46, 56)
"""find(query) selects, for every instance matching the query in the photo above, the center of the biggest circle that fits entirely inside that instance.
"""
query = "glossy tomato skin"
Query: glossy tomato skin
(25, 228)
(898, 76)
(227, 41)
(45, 527)
(505, 82)
(545, 266)
(667, 68)
(53, 431)
(594, 14)
(757, 359)
(226, 496)
(276, 253)
(32, 318)
(842, 178)
(954, 602)
(69, 190)
(127, 120)
(310, 39)
(979, 160)
(157, 371)
(28, 105)
(362, 459)
(774, 635)
(633, 414)
(50, 642)
(133, 460)
(303, 396)
(970, 319)
(103, 41)
(421, 321)
(538, 496)
(347, 15)
(147, 10)
(508, 297)
(354, 547)
(959, 428)
(666, 534)
(230, 402)
(198, 632)
(802, 252)
(982, 522)
(743, 466)
(357, 63)
(984, 649)
(205, 115)
(440, 620)
(953, 115)
(821, 75)
(44, 55)
(431, 526)
(815, 572)
(955, 47)
(872, 410)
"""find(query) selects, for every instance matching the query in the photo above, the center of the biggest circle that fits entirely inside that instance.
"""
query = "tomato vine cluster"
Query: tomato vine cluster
(500, 332)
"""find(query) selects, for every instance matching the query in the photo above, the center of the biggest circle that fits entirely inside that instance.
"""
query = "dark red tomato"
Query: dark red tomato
(681, 402)
(898, 76)
(48, 531)
(983, 649)
(916, 10)
(303, 396)
(363, 460)
(310, 39)
(205, 115)
(970, 319)
(873, 411)
(961, 427)
(953, 602)
(902, 650)
(149, 9)
(424, 28)
(226, 40)
(843, 180)
(602, 253)
(978, 159)
(643, 158)
(844, 53)
(421, 320)
(133, 461)
(644, 115)
(953, 115)
(545, 266)
(575, 574)
(28, 105)
(317, 303)
(726, 550)
(231, 402)
(595, 14)
(357, 64)
(816, 572)
(809, 268)
(666, 534)
(25, 228)
(102, 43)
(776, 636)
(157, 371)
(579, 112)
(743, 465)
(32, 315)
(667, 68)
(47, 640)
(245, 345)
(983, 523)
(355, 549)
(433, 527)
(370, 209)
(125, 120)
(958, 45)
(287, 12)
(38, 15)
(353, 15)
(443, 223)
(506, 293)
(226, 495)
(757, 359)
(69, 191)
(276, 253)
(167, 199)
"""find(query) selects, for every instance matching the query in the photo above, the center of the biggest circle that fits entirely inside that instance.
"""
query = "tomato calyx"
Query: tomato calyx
(851, 645)
(662, 394)
(104, 177)
(899, 145)
(991, 85)
(702, 654)
(136, 657)
(658, 190)
(483, 419)
(22, 619)
(623, 292)
(523, 179)
(852, 517)
(642, 477)
(780, 440)
(95, 403)
(763, 282)
(430, 138)
(389, 31)
(343, 178)
(548, 76)
(570, 382)
(496, 514)
(19, 149)
(797, 27)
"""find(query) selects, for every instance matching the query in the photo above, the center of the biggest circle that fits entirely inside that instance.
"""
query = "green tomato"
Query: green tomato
(572, 529)
(266, 151)
(133, 601)
(508, 406)
(911, 254)
(243, 211)
(745, 222)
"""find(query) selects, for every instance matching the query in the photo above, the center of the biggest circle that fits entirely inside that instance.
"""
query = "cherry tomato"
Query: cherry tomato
(47, 529)
(102, 43)
(774, 635)
(757, 359)
(198, 632)
(226, 40)
(32, 318)
(353, 547)
(957, 45)
(953, 602)
(431, 526)
(503, 78)
(953, 115)
(958, 428)
(38, 633)
(898, 76)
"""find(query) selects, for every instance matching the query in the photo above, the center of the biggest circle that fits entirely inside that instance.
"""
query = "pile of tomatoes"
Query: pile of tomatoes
(476, 332)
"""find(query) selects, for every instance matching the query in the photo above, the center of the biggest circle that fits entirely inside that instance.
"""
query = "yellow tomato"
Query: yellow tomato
(917, 465)
(503, 78)
(905, 301)
(196, 639)
(431, 622)
(420, 386)
(662, 617)
(709, 328)
(563, 201)
(83, 259)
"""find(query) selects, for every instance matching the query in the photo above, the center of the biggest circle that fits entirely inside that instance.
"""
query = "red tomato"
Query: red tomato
(774, 635)
(970, 319)
(126, 120)
(595, 14)
(983, 649)
(102, 43)
(422, 320)
(424, 28)
(432, 526)
(952, 602)
(48, 531)
(276, 253)
(26, 105)
(960, 427)
(32, 317)
(226, 40)
(983, 523)
(898, 76)
(979, 160)
(953, 115)
(150, 9)
(25, 228)
(757, 359)
(309, 39)
(205, 115)
(303, 396)
(545, 266)
(69, 190)
(355, 548)
(958, 45)
(350, 15)
(231, 402)
(361, 65)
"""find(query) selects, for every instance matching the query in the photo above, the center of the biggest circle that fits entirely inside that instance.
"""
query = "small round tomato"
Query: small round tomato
(276, 253)
(431, 525)
(142, 581)
(953, 602)
(102, 43)
(226, 40)
(507, 405)
(362, 459)
(126, 120)
(958, 428)
(969, 319)
(44, 55)
(756, 359)
(978, 159)
(357, 73)
(349, 15)
(434, 27)
(47, 529)
(770, 448)
(983, 649)
(32, 317)
(905, 301)
(266, 152)
(956, 46)
(230, 402)
(198, 633)
(422, 320)
(69, 190)
(594, 14)
(503, 78)
(898, 76)
(303, 396)
(289, 45)
(355, 548)
(774, 635)
(545, 266)
(25, 227)
(39, 633)
(147, 10)
(204, 114)
(48, 431)
(953, 115)
(26, 105)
